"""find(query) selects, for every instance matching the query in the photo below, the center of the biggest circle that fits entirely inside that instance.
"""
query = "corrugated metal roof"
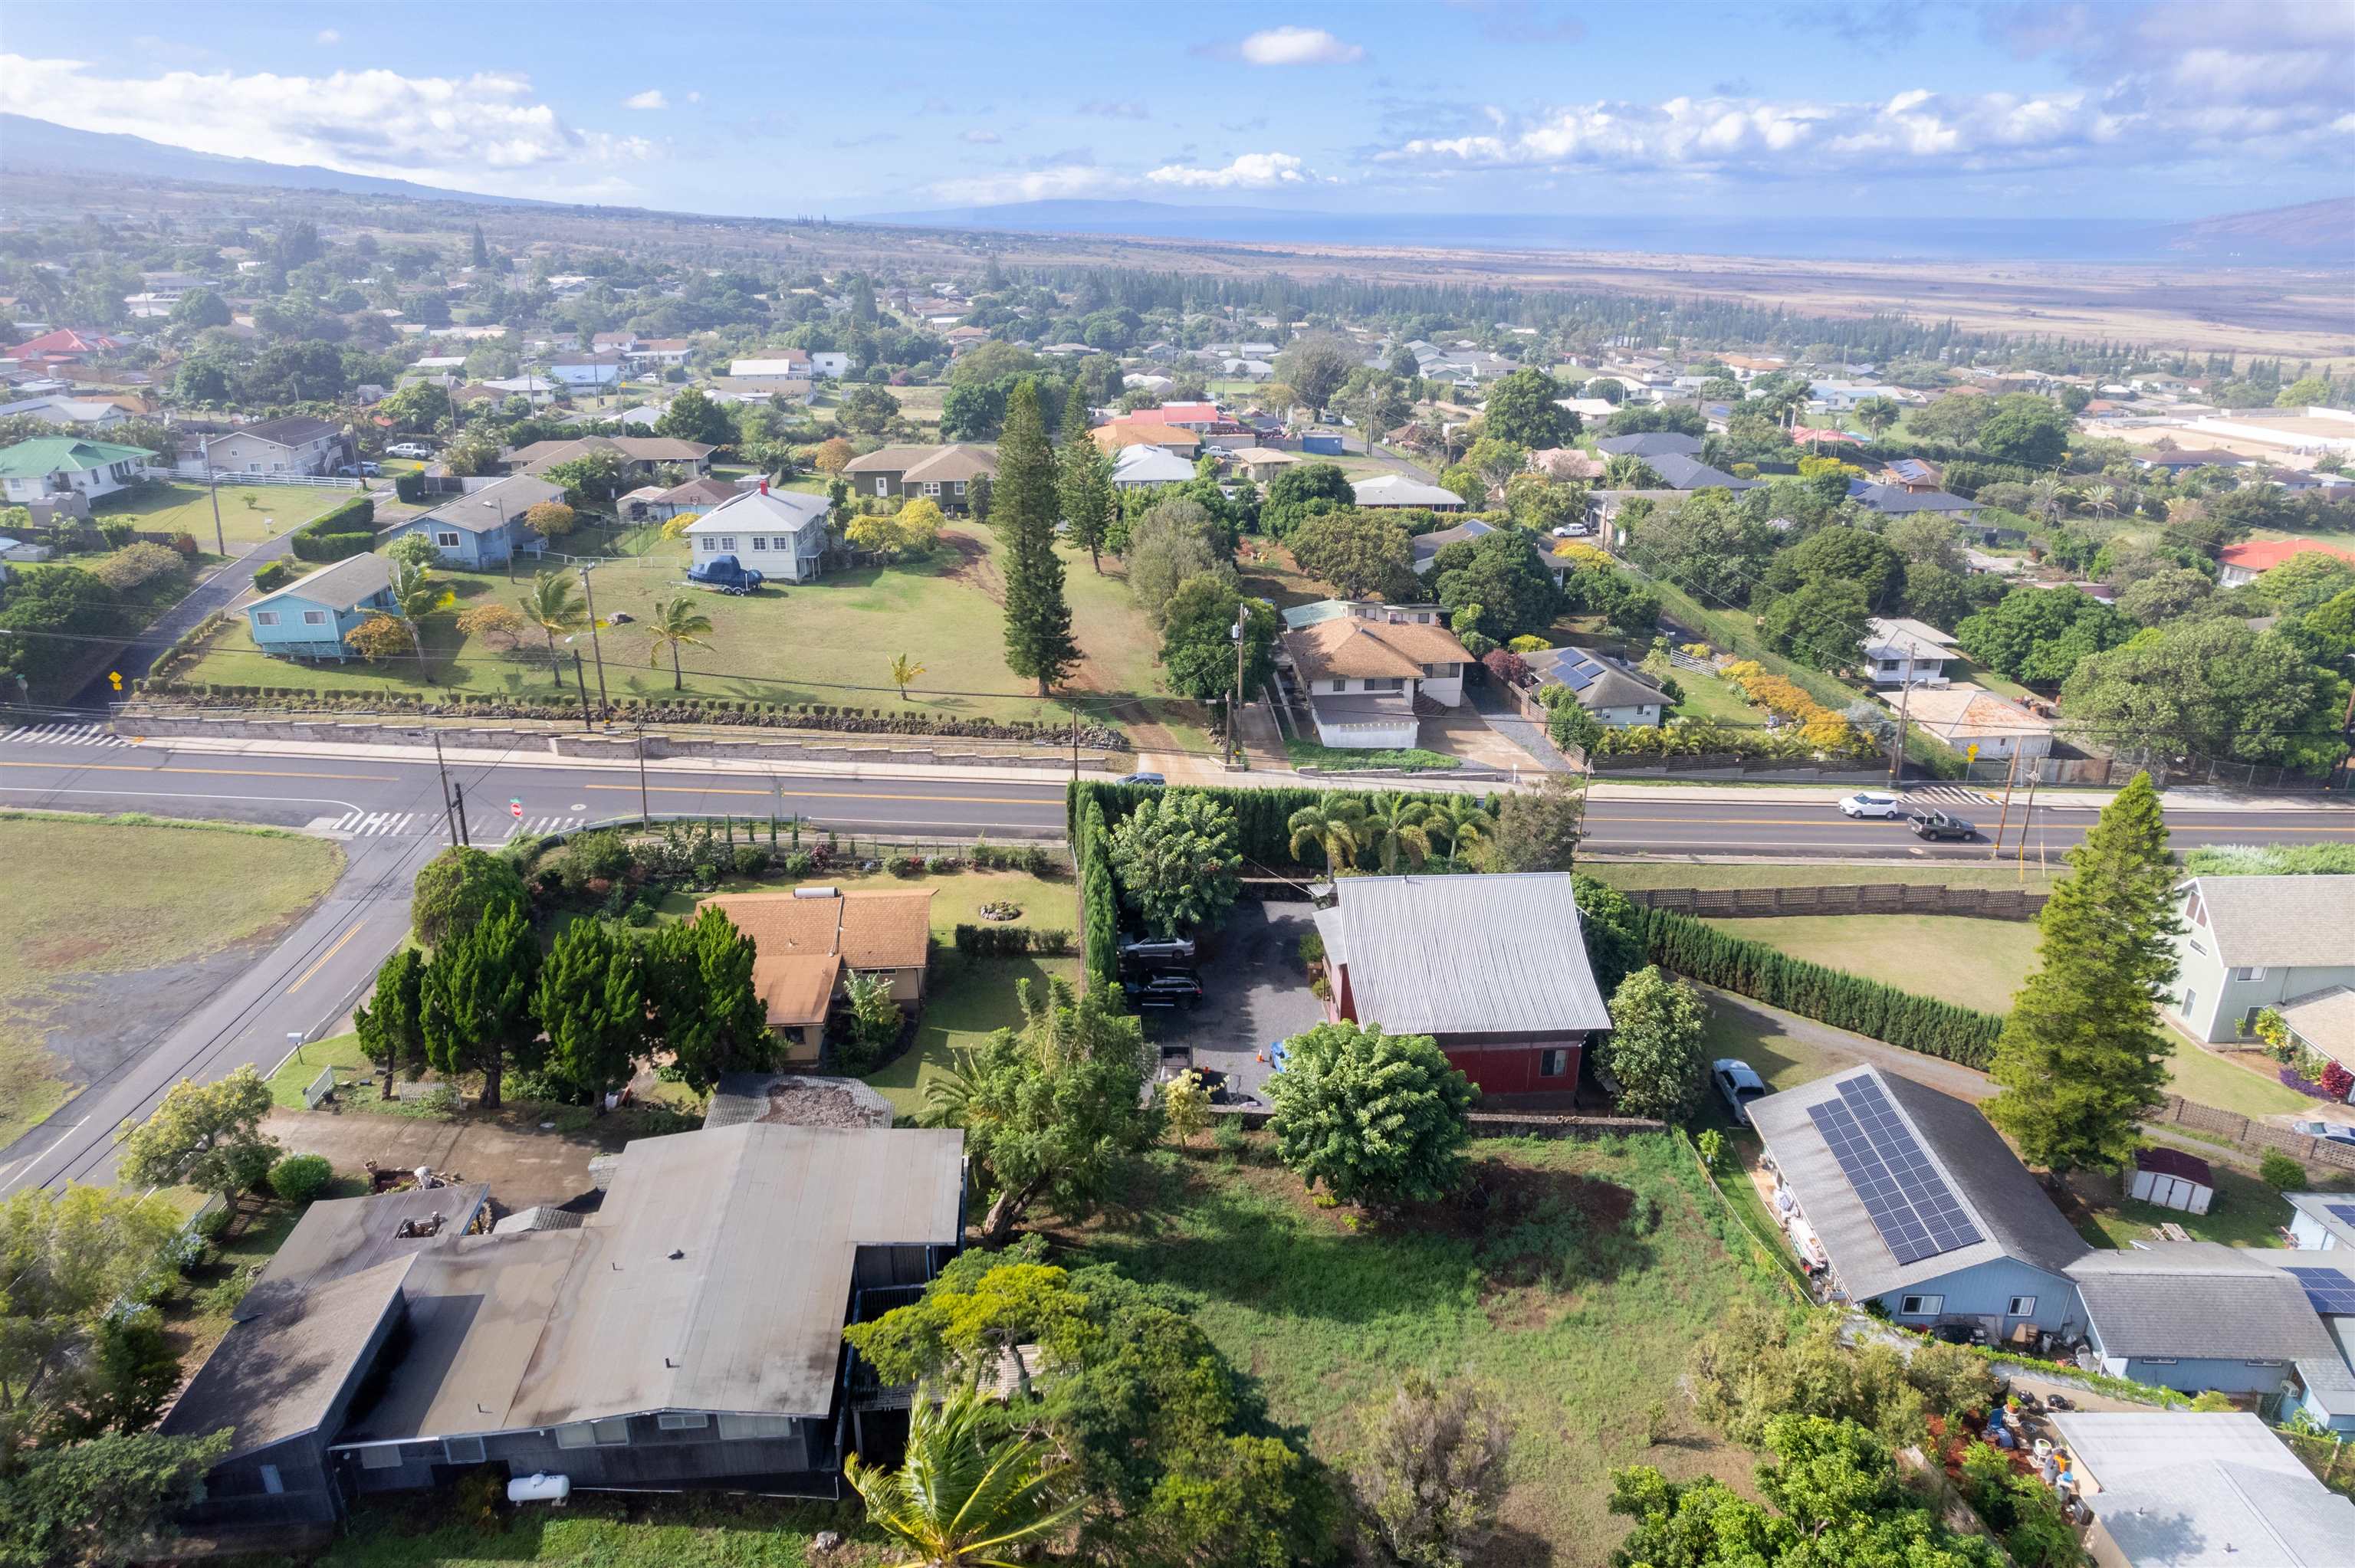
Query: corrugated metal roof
(1465, 955)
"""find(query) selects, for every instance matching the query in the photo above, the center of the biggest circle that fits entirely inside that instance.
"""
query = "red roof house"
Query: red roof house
(2246, 562)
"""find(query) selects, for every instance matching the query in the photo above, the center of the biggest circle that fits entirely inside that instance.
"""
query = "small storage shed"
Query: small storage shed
(2172, 1179)
(1321, 446)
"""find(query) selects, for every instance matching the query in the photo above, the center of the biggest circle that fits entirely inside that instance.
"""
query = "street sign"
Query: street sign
(515, 807)
(115, 676)
(1972, 751)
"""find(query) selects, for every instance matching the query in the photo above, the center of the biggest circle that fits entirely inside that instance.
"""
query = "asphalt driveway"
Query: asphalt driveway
(1255, 993)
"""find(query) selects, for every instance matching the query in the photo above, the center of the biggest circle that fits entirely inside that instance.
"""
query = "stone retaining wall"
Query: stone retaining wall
(615, 744)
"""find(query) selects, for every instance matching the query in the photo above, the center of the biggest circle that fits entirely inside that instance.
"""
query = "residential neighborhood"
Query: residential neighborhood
(1426, 787)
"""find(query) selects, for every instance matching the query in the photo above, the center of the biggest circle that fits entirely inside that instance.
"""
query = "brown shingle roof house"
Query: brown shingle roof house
(804, 941)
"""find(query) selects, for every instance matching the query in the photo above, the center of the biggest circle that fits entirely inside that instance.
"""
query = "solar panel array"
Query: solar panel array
(2331, 1291)
(1909, 1203)
(2343, 1212)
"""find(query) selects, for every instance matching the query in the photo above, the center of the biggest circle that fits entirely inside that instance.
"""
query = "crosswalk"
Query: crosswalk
(361, 825)
(541, 826)
(1957, 794)
(64, 734)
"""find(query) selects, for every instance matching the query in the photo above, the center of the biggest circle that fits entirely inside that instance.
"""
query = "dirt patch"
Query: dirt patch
(974, 566)
(523, 1165)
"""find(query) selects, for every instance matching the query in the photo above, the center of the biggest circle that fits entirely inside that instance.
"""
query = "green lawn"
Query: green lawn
(341, 1052)
(966, 1001)
(2208, 1078)
(1712, 699)
(1308, 754)
(1970, 962)
(249, 513)
(91, 898)
(608, 1531)
(831, 641)
(1814, 874)
(1573, 1296)
(2245, 1213)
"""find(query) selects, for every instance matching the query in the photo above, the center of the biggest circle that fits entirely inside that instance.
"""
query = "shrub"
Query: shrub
(410, 487)
(1011, 941)
(273, 576)
(940, 865)
(907, 865)
(800, 862)
(116, 535)
(136, 564)
(2281, 1173)
(348, 529)
(299, 1178)
(752, 860)
(213, 1224)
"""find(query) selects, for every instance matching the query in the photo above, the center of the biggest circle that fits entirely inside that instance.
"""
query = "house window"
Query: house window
(1553, 1063)
(2193, 910)
(1920, 1306)
(728, 542)
(1386, 683)
(735, 1426)
(265, 618)
(314, 618)
(2190, 998)
(2156, 1360)
(387, 1456)
(2250, 973)
(2021, 1307)
(956, 487)
(682, 1421)
(707, 543)
(932, 487)
(882, 484)
(272, 1481)
(760, 542)
(604, 1433)
(446, 538)
(463, 1450)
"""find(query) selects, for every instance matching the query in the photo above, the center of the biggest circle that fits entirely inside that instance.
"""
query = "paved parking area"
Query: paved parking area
(1255, 991)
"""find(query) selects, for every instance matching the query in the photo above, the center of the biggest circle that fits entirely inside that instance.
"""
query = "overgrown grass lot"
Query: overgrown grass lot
(1572, 1278)
(1954, 958)
(100, 910)
(249, 513)
(607, 1531)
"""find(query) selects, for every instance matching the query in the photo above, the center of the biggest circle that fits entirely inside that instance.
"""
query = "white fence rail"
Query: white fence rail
(314, 481)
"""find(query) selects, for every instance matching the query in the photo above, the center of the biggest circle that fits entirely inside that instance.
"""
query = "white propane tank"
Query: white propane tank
(539, 1488)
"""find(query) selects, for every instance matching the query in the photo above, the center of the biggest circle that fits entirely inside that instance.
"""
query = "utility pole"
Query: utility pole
(465, 837)
(579, 680)
(1076, 745)
(444, 772)
(2010, 771)
(1897, 742)
(2027, 815)
(602, 702)
(1235, 703)
(646, 817)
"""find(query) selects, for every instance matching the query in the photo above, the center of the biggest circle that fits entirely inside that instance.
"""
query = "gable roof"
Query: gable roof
(1598, 682)
(338, 586)
(2184, 1489)
(1896, 499)
(1424, 547)
(293, 430)
(961, 460)
(2265, 554)
(1150, 465)
(540, 456)
(702, 489)
(1464, 955)
(1905, 635)
(2288, 920)
(1115, 437)
(1963, 712)
(1680, 472)
(792, 510)
(63, 454)
(2013, 1216)
(2199, 1299)
(1352, 647)
(481, 511)
(1399, 490)
(867, 929)
(1649, 444)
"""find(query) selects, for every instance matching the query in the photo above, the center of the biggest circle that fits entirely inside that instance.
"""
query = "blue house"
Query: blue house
(310, 616)
(1896, 1194)
(485, 527)
(2199, 1315)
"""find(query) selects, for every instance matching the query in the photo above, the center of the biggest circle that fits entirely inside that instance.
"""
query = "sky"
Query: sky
(2117, 109)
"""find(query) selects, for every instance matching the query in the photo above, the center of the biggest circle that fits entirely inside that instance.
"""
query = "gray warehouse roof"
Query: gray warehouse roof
(2200, 1299)
(2013, 1216)
(1464, 955)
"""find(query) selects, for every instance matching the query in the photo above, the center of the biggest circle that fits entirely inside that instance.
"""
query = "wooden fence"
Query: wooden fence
(2253, 1137)
(1860, 898)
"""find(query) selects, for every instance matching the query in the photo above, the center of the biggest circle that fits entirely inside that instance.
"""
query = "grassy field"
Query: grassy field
(91, 898)
(2210, 1079)
(1970, 962)
(341, 1052)
(249, 513)
(1731, 874)
(831, 641)
(1712, 699)
(609, 1530)
(1574, 1297)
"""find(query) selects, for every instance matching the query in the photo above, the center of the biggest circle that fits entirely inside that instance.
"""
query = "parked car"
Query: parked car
(408, 450)
(1739, 1083)
(1151, 780)
(1157, 949)
(1870, 803)
(725, 573)
(1171, 988)
(1939, 825)
(2337, 1132)
(1574, 531)
(358, 470)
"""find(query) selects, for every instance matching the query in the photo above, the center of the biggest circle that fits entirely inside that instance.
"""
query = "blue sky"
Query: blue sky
(2114, 108)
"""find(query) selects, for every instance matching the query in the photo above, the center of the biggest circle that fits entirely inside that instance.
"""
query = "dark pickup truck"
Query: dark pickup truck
(725, 573)
(1939, 825)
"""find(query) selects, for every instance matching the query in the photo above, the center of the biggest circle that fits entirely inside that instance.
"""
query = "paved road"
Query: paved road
(218, 591)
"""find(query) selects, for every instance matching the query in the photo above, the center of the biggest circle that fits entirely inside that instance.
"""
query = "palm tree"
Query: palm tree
(958, 1499)
(418, 593)
(2045, 495)
(1332, 825)
(905, 672)
(671, 622)
(1463, 821)
(554, 605)
(1625, 470)
(2104, 498)
(1394, 829)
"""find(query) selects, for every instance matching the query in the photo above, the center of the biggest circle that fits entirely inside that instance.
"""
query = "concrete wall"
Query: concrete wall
(776, 746)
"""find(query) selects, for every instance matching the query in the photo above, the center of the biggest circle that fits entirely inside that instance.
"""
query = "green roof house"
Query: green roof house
(42, 472)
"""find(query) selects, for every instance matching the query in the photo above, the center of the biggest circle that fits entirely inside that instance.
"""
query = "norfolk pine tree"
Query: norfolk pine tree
(1083, 478)
(390, 1029)
(592, 1008)
(1023, 509)
(2079, 1060)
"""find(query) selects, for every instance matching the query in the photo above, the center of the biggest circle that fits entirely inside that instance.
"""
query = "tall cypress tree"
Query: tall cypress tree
(1023, 509)
(592, 1008)
(476, 1002)
(2080, 1060)
(1085, 480)
(391, 1028)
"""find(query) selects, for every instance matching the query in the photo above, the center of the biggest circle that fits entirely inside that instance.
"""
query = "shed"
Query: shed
(1323, 446)
(2172, 1179)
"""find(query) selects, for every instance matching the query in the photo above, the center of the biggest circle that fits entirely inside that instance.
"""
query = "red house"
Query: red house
(1494, 968)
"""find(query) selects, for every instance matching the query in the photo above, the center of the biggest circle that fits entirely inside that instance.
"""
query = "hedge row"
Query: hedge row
(1701, 952)
(1011, 941)
(410, 487)
(346, 530)
(273, 576)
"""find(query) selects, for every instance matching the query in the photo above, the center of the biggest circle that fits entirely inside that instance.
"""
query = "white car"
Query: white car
(1736, 1081)
(2336, 1131)
(408, 450)
(1867, 803)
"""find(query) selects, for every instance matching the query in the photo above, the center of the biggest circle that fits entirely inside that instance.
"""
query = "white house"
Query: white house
(2254, 942)
(298, 443)
(1370, 674)
(32, 471)
(1975, 722)
(780, 534)
(1145, 467)
(1898, 652)
(1396, 489)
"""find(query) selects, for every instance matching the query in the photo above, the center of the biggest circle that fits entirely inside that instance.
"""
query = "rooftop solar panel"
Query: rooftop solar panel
(2329, 1290)
(1909, 1203)
(2343, 1212)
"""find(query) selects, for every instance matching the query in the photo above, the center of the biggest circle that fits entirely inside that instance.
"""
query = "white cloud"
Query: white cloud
(694, 97)
(1036, 184)
(652, 97)
(1297, 45)
(328, 36)
(1251, 171)
(478, 132)
(983, 138)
